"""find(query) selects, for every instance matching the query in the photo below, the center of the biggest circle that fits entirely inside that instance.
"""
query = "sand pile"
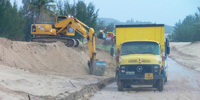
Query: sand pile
(48, 58)
(186, 53)
(192, 49)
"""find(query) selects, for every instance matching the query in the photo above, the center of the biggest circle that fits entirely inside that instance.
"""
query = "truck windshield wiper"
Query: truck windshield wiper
(129, 53)
(147, 53)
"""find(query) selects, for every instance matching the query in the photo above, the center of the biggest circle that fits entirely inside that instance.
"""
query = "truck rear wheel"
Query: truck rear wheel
(160, 84)
(120, 86)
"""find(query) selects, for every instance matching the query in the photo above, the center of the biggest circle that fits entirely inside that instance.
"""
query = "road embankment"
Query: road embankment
(48, 71)
(186, 53)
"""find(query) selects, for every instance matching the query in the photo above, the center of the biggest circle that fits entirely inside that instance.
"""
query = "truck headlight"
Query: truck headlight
(123, 71)
(156, 67)
(122, 67)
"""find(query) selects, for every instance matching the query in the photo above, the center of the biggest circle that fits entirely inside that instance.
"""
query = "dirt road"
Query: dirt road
(183, 84)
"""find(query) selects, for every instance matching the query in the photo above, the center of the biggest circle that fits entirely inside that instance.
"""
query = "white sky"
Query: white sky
(160, 11)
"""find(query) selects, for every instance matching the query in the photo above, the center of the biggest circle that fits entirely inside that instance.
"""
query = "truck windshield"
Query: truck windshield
(140, 48)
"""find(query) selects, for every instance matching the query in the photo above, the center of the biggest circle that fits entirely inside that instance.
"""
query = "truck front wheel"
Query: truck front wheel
(127, 86)
(160, 84)
(120, 86)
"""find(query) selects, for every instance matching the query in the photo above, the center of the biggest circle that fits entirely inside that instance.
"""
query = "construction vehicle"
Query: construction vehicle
(111, 36)
(140, 56)
(103, 34)
(68, 26)
(57, 32)
(107, 37)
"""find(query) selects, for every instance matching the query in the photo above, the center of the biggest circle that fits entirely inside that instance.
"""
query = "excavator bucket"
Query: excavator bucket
(97, 67)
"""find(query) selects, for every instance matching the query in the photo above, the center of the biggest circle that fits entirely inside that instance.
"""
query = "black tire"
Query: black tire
(70, 43)
(155, 85)
(160, 84)
(111, 51)
(77, 43)
(116, 75)
(166, 79)
(120, 86)
(127, 86)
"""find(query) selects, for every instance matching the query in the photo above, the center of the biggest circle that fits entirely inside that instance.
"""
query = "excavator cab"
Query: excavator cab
(67, 31)
(60, 18)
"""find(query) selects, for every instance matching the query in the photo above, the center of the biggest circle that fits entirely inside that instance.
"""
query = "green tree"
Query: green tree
(110, 27)
(188, 30)
(37, 7)
(32, 10)
(100, 25)
(85, 13)
(60, 7)
(29, 17)
(11, 21)
(197, 26)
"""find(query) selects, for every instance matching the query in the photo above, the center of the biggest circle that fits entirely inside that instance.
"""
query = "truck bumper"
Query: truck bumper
(138, 77)
(138, 80)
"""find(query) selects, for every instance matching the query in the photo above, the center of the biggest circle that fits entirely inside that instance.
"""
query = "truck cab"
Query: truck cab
(140, 56)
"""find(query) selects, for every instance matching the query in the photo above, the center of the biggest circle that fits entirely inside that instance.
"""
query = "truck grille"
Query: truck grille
(140, 69)
(142, 60)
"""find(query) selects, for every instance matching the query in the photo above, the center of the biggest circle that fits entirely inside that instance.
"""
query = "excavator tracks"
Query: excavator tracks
(67, 41)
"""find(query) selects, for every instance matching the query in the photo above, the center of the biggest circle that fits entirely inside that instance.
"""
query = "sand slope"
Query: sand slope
(186, 53)
(47, 58)
(46, 70)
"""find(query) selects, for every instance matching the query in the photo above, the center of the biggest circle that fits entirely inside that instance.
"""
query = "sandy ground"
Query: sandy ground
(45, 70)
(186, 53)
(183, 84)
(20, 84)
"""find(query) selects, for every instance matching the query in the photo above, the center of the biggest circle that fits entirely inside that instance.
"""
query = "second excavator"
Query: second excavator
(64, 27)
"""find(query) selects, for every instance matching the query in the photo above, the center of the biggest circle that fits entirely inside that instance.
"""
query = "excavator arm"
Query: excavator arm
(96, 67)
(90, 36)
(80, 28)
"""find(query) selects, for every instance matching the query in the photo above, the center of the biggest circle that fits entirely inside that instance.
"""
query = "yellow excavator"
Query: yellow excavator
(68, 26)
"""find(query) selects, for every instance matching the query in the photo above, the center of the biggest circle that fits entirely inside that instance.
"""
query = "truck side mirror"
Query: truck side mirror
(168, 50)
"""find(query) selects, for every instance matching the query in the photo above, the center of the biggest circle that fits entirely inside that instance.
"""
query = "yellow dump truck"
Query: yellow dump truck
(140, 55)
